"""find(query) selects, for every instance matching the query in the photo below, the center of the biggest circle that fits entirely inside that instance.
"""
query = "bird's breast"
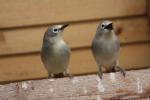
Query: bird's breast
(106, 49)
(58, 47)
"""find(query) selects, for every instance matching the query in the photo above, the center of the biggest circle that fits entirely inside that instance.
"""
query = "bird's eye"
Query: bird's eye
(102, 25)
(55, 30)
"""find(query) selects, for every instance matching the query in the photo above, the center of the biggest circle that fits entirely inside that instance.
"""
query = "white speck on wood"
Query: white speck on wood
(1, 86)
(98, 98)
(51, 90)
(139, 86)
(100, 86)
(24, 85)
(112, 77)
(51, 80)
(29, 82)
(75, 80)
(85, 90)
(98, 79)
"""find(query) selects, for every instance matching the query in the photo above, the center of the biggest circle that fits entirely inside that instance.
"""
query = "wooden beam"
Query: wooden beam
(27, 40)
(22, 67)
(113, 86)
(148, 11)
(20, 13)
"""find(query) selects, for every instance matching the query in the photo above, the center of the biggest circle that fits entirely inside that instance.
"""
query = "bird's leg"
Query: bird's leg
(119, 68)
(112, 69)
(100, 72)
(67, 73)
(50, 75)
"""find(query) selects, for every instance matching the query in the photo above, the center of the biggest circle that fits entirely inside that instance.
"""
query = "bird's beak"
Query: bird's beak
(64, 26)
(109, 26)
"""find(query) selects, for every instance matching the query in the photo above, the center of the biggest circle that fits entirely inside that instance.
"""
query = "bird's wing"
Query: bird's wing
(45, 53)
(65, 55)
(96, 47)
(117, 45)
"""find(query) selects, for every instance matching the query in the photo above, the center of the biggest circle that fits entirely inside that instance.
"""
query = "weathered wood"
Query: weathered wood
(113, 86)
(148, 11)
(27, 40)
(29, 66)
(24, 13)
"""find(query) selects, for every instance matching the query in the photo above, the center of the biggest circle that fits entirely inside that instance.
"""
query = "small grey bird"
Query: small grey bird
(106, 47)
(55, 52)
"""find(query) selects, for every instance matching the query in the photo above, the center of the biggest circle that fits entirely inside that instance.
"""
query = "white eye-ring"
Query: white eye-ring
(55, 30)
(102, 26)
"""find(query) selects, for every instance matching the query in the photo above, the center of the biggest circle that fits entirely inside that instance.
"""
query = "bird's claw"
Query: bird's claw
(100, 75)
(68, 75)
(123, 73)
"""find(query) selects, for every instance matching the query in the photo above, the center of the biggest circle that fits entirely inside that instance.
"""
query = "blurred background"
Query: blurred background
(23, 23)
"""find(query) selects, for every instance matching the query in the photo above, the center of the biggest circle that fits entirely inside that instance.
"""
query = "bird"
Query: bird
(106, 48)
(55, 52)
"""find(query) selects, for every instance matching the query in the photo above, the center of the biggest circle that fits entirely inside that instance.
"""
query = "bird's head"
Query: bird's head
(55, 30)
(106, 26)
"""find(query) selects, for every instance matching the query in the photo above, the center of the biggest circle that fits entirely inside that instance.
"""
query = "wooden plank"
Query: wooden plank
(21, 67)
(148, 11)
(131, 57)
(26, 40)
(134, 86)
(29, 66)
(25, 13)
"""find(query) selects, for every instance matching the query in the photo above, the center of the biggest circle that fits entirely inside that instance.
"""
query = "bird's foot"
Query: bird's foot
(123, 73)
(51, 75)
(56, 75)
(100, 74)
(68, 75)
(121, 70)
(113, 69)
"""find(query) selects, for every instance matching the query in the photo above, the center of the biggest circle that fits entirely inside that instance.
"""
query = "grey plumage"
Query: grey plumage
(106, 48)
(55, 52)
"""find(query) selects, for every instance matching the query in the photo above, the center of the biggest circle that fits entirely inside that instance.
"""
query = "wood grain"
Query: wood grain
(20, 13)
(29, 66)
(2, 38)
(27, 40)
(148, 10)
(134, 86)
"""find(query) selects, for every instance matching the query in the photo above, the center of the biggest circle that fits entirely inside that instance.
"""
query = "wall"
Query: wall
(23, 23)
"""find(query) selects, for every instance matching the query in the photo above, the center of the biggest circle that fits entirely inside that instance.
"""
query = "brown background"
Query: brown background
(23, 23)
